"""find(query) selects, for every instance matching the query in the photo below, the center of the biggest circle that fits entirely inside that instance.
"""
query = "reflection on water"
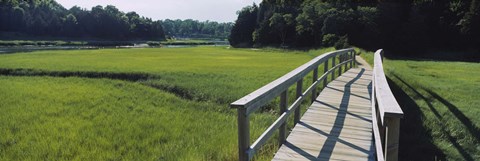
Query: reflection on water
(30, 48)
(15, 49)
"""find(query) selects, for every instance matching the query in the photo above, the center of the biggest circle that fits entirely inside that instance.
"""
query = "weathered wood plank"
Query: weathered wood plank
(337, 151)
(293, 156)
(333, 112)
(337, 104)
(352, 134)
(328, 125)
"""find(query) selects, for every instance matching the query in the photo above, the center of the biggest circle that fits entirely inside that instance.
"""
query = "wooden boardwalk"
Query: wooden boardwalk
(338, 125)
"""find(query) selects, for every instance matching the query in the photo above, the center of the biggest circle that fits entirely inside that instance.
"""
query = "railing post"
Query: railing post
(340, 59)
(314, 79)
(352, 57)
(283, 108)
(296, 117)
(348, 57)
(325, 69)
(243, 134)
(392, 138)
(333, 67)
(345, 58)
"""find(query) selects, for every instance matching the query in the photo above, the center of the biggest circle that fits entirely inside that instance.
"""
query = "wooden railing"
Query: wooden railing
(386, 114)
(253, 101)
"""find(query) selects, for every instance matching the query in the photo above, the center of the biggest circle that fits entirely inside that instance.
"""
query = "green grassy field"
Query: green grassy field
(441, 102)
(189, 72)
(134, 104)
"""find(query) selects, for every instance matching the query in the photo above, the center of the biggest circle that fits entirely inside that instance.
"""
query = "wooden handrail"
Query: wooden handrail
(279, 87)
(386, 108)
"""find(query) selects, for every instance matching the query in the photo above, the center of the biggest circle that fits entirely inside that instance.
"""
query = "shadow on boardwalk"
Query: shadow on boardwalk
(334, 135)
(336, 126)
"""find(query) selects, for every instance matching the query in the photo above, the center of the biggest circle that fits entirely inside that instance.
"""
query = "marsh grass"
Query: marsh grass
(136, 104)
(100, 119)
(208, 73)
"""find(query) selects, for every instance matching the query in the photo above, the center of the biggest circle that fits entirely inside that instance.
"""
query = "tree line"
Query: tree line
(391, 24)
(196, 29)
(47, 18)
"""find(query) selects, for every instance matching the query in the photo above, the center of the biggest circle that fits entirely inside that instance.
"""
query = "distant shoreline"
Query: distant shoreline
(19, 43)
(15, 46)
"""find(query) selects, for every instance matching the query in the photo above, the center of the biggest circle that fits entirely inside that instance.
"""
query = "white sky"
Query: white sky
(214, 10)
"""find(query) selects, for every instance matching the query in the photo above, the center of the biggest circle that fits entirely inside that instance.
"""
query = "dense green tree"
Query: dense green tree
(308, 23)
(70, 25)
(397, 25)
(242, 31)
(272, 34)
(470, 24)
(48, 18)
(195, 29)
(281, 23)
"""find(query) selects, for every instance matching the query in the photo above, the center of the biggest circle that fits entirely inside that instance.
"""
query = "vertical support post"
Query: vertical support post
(385, 148)
(325, 69)
(340, 57)
(283, 108)
(314, 79)
(392, 138)
(296, 118)
(243, 134)
(383, 133)
(333, 67)
(345, 58)
(352, 57)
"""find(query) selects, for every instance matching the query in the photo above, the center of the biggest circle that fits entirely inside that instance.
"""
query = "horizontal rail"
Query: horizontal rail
(389, 106)
(261, 96)
(248, 104)
(385, 107)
